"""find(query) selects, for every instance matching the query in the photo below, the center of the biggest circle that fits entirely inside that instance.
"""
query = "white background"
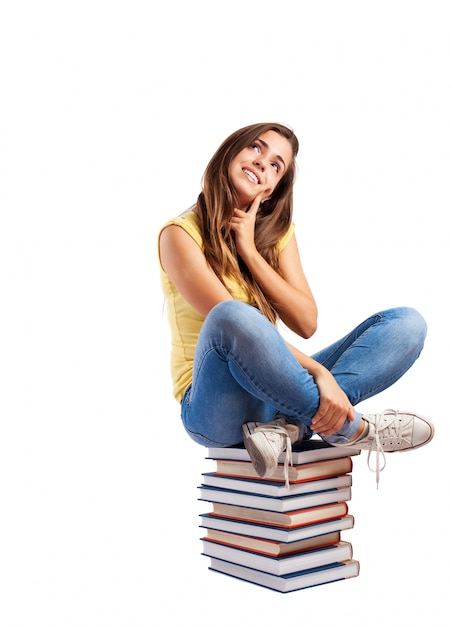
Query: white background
(110, 112)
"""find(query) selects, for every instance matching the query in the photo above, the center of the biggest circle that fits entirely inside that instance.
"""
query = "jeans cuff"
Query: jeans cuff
(347, 431)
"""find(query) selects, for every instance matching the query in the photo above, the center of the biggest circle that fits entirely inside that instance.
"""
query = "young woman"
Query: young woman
(230, 270)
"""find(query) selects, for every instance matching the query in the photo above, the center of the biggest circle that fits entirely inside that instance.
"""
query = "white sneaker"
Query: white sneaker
(392, 431)
(265, 443)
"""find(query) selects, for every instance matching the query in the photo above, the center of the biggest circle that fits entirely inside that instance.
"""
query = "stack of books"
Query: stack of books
(281, 537)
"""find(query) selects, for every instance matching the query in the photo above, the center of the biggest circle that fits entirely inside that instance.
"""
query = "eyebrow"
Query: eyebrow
(278, 157)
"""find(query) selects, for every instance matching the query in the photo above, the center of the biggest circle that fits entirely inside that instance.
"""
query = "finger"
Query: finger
(321, 425)
(331, 427)
(255, 205)
(326, 421)
(237, 217)
(327, 427)
(322, 417)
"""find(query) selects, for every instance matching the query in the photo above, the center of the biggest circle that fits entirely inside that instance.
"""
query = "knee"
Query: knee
(232, 311)
(413, 326)
(235, 318)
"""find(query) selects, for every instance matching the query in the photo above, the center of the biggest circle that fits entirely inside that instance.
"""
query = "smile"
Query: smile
(251, 175)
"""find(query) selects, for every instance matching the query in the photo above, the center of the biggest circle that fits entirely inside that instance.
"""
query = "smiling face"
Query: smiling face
(259, 167)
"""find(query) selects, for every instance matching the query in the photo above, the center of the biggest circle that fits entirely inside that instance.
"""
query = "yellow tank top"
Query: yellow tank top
(184, 321)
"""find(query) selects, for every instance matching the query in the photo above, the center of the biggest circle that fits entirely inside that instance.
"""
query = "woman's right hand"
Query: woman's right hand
(243, 227)
(334, 406)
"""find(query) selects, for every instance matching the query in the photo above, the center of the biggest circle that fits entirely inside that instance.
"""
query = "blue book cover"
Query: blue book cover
(271, 503)
(279, 565)
(306, 451)
(293, 581)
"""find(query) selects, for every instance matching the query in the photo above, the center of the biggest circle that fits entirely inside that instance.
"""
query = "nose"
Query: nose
(260, 162)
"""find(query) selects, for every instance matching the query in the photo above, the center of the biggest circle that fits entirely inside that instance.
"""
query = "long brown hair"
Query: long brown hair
(215, 206)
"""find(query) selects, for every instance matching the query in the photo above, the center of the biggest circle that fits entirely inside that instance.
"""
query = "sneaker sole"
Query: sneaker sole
(259, 461)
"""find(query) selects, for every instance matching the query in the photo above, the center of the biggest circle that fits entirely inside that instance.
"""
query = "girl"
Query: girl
(230, 270)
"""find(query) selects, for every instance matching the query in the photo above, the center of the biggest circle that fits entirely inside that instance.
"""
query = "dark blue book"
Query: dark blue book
(270, 503)
(276, 489)
(279, 565)
(289, 582)
(306, 451)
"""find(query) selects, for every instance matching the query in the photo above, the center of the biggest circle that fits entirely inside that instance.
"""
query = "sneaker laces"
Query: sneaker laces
(379, 452)
(394, 429)
(280, 430)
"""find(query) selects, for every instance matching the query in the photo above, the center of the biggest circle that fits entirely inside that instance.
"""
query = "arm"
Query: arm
(185, 264)
(334, 406)
(288, 290)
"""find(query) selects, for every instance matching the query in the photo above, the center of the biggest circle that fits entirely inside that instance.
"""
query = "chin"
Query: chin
(245, 201)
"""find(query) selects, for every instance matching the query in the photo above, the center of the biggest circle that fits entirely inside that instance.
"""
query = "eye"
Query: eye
(255, 147)
(276, 166)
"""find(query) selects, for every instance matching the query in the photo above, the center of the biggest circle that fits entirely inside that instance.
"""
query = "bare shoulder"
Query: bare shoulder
(176, 244)
(184, 261)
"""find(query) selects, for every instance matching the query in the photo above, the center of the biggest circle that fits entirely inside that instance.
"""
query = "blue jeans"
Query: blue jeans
(243, 371)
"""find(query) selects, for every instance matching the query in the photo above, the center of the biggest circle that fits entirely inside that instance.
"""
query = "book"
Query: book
(296, 473)
(278, 533)
(304, 451)
(286, 519)
(280, 565)
(276, 489)
(275, 533)
(269, 503)
(289, 582)
(272, 548)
